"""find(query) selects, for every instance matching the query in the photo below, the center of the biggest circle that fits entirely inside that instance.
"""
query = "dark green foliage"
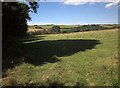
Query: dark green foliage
(55, 29)
(33, 6)
(76, 29)
(37, 27)
(91, 27)
(14, 18)
(83, 28)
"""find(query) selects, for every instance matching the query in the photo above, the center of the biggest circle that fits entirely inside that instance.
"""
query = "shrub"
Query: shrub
(37, 27)
(55, 29)
(76, 29)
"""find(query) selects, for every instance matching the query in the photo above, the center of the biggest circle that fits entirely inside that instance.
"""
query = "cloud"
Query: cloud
(82, 2)
(46, 23)
(38, 23)
(109, 5)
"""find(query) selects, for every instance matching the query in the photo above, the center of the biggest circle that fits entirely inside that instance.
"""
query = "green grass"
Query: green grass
(74, 59)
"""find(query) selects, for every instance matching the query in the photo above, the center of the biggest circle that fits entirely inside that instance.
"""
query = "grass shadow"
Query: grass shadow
(38, 53)
(31, 38)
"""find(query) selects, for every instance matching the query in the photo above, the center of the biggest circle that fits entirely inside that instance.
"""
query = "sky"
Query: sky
(75, 12)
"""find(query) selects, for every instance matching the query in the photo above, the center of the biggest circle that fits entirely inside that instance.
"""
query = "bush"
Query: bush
(37, 27)
(76, 29)
(55, 29)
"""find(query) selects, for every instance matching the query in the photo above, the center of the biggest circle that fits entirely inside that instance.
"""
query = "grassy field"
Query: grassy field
(74, 59)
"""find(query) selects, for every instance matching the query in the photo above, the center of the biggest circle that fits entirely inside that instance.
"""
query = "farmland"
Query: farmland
(46, 29)
(70, 59)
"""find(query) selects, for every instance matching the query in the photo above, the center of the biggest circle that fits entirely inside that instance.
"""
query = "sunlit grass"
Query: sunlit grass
(97, 66)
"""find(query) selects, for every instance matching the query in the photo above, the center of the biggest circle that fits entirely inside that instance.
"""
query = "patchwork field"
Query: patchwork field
(71, 59)
(33, 29)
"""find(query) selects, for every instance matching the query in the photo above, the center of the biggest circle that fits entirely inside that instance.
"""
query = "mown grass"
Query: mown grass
(74, 59)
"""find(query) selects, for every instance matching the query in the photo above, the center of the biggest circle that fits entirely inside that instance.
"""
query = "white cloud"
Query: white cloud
(109, 5)
(81, 2)
(46, 23)
(38, 23)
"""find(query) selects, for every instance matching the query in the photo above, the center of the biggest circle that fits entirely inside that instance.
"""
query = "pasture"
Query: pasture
(70, 59)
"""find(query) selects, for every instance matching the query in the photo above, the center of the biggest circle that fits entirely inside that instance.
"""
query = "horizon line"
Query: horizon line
(79, 24)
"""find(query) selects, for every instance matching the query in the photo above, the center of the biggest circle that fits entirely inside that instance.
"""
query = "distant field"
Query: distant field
(74, 59)
(63, 27)
(33, 29)
(72, 28)
(50, 26)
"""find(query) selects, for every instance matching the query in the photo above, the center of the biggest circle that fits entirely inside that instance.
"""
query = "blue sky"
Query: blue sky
(60, 13)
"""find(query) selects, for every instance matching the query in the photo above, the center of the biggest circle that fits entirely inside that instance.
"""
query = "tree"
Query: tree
(55, 29)
(14, 18)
